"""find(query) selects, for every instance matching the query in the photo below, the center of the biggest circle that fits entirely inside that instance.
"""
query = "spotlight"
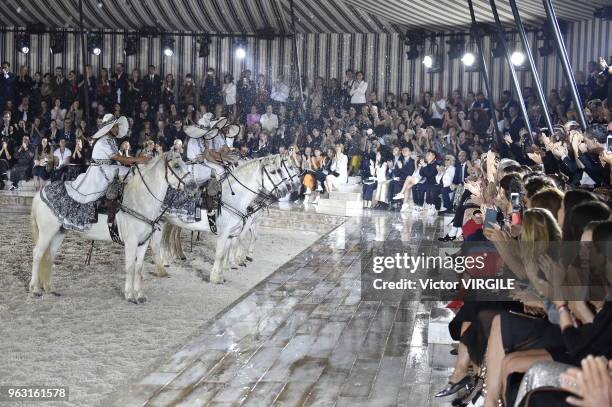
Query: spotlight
(432, 63)
(517, 58)
(204, 46)
(456, 46)
(94, 43)
(240, 48)
(131, 43)
(58, 41)
(167, 46)
(546, 49)
(22, 41)
(468, 59)
(412, 53)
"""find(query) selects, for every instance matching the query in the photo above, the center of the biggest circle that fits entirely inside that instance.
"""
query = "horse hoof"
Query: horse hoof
(56, 293)
(242, 265)
(142, 300)
(249, 258)
(132, 301)
(234, 267)
(37, 294)
(183, 258)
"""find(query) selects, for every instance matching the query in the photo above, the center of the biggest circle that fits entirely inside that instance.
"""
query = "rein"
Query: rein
(155, 222)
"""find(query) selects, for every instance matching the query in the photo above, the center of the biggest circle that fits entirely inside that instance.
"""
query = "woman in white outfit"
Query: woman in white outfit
(358, 91)
(338, 170)
(380, 170)
(106, 162)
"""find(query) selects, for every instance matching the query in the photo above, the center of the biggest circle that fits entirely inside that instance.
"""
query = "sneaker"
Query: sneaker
(399, 196)
(405, 208)
(319, 188)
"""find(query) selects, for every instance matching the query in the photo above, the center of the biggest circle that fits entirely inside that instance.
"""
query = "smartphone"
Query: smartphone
(515, 200)
(490, 218)
(609, 143)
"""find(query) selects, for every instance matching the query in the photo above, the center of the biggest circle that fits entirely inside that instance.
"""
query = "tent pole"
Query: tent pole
(83, 59)
(296, 58)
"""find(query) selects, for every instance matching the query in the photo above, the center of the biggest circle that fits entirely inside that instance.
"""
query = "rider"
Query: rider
(106, 162)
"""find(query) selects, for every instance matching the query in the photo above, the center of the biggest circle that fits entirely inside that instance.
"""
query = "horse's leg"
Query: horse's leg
(160, 270)
(138, 275)
(251, 249)
(216, 274)
(42, 238)
(54, 247)
(178, 244)
(130, 248)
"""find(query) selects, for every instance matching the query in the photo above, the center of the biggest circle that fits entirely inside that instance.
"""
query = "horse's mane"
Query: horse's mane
(144, 169)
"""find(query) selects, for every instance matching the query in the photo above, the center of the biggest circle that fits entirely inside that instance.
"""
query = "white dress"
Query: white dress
(91, 185)
(201, 172)
(340, 165)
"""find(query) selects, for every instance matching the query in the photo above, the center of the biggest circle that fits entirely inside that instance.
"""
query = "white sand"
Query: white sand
(89, 338)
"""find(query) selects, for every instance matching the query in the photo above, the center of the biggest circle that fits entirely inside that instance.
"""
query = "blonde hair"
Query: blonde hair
(540, 228)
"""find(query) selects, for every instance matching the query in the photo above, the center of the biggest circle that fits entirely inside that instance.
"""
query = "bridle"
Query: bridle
(155, 222)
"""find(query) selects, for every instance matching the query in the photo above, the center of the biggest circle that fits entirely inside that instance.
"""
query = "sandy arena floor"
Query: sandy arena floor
(89, 338)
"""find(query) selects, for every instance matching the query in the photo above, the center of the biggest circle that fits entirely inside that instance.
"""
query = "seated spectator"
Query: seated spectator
(61, 158)
(43, 163)
(338, 172)
(24, 161)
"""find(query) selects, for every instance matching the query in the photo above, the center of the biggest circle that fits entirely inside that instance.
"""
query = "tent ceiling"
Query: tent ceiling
(312, 16)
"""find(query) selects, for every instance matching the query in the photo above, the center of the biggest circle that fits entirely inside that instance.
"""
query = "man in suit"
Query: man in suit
(152, 88)
(69, 134)
(461, 172)
(514, 123)
(7, 85)
(120, 87)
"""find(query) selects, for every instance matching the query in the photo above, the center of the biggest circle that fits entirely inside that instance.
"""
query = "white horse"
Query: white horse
(243, 246)
(142, 197)
(254, 179)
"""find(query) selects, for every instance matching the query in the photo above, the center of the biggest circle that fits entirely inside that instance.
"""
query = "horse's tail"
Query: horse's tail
(167, 247)
(44, 267)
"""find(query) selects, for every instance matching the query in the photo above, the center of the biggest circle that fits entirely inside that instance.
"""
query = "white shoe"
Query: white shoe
(316, 200)
(319, 188)
(308, 191)
(399, 196)
(404, 208)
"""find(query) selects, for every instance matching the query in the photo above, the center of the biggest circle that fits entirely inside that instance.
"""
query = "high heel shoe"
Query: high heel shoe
(453, 388)
(471, 396)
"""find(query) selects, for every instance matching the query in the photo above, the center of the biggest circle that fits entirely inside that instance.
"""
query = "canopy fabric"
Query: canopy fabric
(312, 16)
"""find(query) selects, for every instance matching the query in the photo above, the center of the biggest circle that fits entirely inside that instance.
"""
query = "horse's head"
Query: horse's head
(273, 181)
(291, 172)
(177, 173)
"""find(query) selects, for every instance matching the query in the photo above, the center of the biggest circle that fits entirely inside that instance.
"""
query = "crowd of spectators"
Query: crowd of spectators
(432, 153)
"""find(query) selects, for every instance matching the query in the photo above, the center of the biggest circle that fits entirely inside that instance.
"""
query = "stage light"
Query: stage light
(167, 46)
(94, 43)
(22, 41)
(58, 41)
(240, 53)
(428, 61)
(204, 50)
(131, 43)
(517, 58)
(412, 53)
(468, 59)
(240, 47)
(456, 47)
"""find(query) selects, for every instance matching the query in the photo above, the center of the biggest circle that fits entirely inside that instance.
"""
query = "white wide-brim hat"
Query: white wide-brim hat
(219, 123)
(108, 121)
(199, 131)
(232, 130)
(205, 120)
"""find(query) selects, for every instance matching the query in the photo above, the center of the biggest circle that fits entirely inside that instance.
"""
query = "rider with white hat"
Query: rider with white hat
(106, 162)
(206, 147)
